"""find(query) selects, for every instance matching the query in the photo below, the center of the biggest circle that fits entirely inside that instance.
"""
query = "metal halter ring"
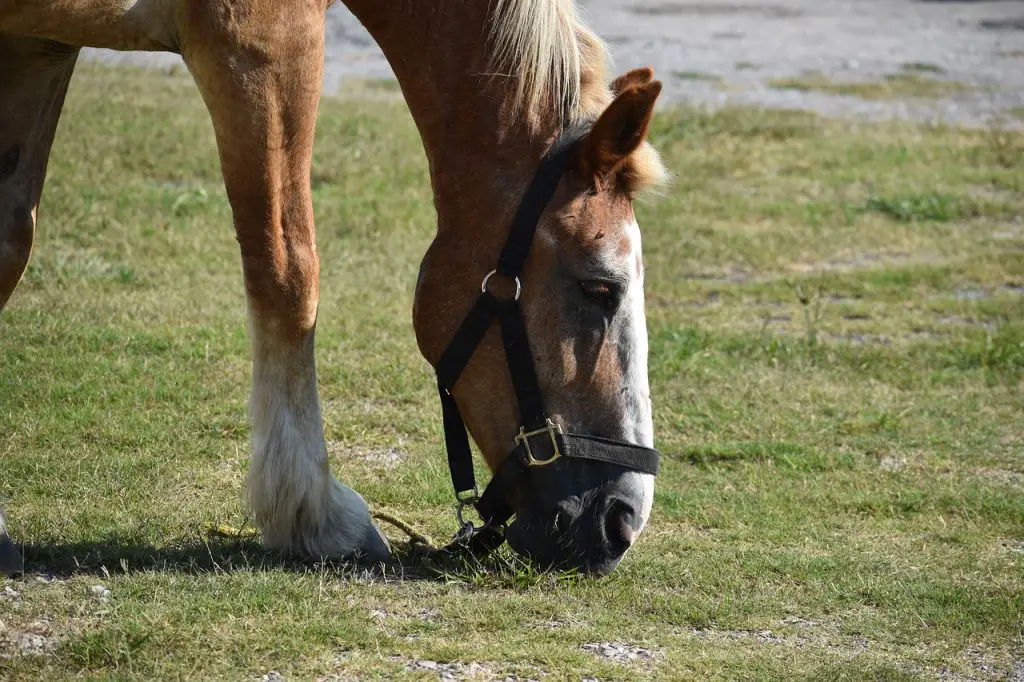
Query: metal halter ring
(458, 514)
(487, 277)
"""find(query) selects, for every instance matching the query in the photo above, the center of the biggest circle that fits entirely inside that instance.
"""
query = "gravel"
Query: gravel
(620, 652)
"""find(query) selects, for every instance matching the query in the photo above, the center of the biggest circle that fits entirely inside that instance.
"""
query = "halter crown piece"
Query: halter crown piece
(540, 441)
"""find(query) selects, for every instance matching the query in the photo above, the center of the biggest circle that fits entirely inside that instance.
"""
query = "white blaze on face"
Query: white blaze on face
(640, 423)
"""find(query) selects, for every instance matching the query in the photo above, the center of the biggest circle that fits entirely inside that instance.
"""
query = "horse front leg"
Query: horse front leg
(34, 77)
(259, 68)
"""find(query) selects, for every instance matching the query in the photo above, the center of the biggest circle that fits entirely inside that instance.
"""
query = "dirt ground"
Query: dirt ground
(719, 52)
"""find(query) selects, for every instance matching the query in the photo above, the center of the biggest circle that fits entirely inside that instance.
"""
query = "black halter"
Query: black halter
(540, 441)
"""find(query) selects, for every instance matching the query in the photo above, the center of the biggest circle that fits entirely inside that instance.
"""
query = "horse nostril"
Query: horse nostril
(618, 525)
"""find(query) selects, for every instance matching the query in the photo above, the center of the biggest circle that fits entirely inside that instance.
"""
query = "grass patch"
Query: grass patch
(383, 85)
(836, 355)
(697, 76)
(894, 86)
(935, 207)
(922, 67)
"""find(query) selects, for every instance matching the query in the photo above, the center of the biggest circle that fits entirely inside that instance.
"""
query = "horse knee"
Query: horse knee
(283, 290)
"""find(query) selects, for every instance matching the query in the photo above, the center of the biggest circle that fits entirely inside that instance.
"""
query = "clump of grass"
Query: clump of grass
(923, 207)
(697, 76)
(370, 88)
(1000, 351)
(754, 126)
(745, 66)
(810, 302)
(893, 86)
(1015, 112)
(922, 67)
(383, 84)
(1007, 145)
(77, 264)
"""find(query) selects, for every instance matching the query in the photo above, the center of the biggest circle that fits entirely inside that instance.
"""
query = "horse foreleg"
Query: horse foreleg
(259, 68)
(34, 77)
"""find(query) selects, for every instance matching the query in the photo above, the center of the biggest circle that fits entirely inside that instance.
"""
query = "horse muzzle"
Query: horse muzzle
(582, 516)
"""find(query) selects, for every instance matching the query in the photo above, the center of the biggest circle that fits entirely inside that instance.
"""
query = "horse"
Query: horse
(493, 87)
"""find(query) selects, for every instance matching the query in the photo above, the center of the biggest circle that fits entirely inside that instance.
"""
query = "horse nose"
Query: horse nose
(619, 529)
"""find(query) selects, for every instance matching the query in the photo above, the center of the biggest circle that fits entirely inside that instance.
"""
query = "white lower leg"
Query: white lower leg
(298, 505)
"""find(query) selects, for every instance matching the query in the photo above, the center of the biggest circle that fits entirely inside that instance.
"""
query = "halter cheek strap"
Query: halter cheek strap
(540, 441)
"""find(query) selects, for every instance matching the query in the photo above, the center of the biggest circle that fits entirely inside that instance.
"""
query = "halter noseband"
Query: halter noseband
(540, 441)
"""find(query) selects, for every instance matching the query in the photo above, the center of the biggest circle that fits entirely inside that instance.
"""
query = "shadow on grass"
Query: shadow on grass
(218, 555)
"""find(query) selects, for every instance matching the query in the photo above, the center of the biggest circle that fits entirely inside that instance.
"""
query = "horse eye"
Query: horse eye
(607, 295)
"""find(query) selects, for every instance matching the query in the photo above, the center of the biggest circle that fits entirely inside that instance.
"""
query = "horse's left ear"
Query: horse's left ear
(619, 131)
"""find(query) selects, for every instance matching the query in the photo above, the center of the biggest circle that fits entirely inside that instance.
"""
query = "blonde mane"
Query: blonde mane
(552, 56)
(550, 53)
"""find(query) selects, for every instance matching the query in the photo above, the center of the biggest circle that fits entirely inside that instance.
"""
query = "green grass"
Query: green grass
(697, 76)
(836, 319)
(909, 83)
(922, 67)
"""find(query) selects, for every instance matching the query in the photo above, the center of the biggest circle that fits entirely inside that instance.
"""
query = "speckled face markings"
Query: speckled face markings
(602, 238)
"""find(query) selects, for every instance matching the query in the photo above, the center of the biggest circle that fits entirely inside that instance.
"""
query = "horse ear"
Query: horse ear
(618, 132)
(635, 77)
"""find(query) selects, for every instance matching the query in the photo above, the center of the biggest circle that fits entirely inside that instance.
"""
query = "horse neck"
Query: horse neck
(481, 153)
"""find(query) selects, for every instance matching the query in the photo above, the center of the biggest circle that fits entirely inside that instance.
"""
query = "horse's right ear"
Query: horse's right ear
(636, 77)
(618, 132)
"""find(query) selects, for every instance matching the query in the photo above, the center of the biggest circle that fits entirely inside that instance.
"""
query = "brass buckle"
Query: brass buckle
(550, 428)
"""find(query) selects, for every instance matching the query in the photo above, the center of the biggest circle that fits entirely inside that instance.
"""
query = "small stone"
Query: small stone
(618, 651)
(891, 463)
(100, 592)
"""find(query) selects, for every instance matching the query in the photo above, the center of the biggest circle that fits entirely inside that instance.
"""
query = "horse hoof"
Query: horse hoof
(11, 562)
(376, 547)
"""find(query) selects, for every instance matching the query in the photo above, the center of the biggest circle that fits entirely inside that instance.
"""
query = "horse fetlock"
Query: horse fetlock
(314, 519)
(298, 505)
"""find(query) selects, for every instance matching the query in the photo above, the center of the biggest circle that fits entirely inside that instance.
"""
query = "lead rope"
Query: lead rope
(417, 541)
